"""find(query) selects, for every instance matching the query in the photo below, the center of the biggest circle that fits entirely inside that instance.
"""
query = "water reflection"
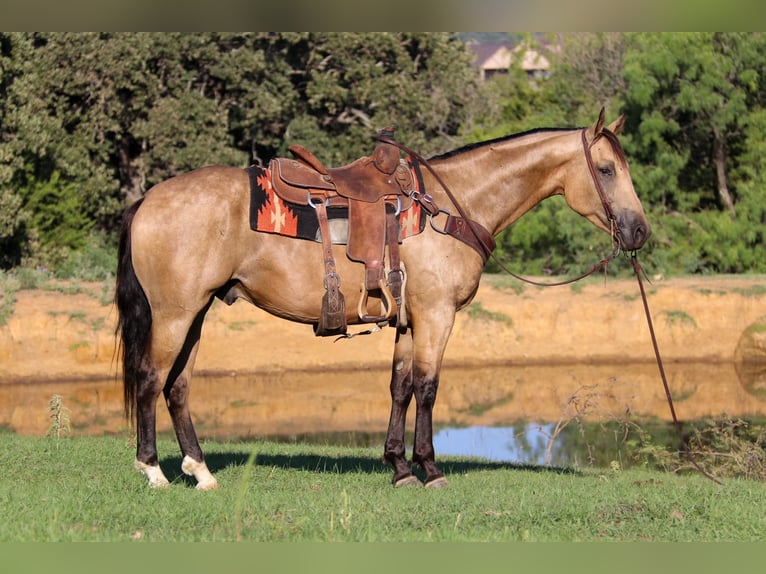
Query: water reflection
(500, 412)
(525, 443)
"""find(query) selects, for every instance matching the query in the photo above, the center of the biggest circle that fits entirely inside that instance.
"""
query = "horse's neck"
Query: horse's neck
(496, 183)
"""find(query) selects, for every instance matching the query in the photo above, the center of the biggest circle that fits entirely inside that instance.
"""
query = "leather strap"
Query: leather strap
(470, 233)
(333, 319)
(466, 230)
(396, 274)
(614, 230)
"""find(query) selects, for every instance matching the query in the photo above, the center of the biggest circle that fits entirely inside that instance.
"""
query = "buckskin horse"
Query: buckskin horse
(190, 239)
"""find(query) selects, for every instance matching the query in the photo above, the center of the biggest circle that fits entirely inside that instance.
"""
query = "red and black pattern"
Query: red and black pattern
(269, 213)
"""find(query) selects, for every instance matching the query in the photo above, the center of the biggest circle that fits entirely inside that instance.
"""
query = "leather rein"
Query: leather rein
(485, 248)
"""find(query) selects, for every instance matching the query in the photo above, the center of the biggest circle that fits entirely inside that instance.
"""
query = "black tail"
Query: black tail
(134, 315)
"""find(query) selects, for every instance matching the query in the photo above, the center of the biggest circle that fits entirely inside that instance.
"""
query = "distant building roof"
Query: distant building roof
(494, 59)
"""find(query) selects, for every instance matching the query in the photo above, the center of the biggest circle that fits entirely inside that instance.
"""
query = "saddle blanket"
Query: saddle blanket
(269, 213)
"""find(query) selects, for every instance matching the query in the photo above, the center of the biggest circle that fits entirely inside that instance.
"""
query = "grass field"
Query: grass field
(85, 489)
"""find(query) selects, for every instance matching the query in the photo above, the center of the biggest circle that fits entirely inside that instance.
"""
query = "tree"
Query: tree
(693, 102)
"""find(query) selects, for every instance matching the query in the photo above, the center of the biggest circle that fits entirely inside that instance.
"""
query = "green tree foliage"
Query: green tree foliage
(90, 121)
(694, 138)
(694, 102)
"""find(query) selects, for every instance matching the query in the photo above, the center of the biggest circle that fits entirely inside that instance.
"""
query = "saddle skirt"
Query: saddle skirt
(289, 213)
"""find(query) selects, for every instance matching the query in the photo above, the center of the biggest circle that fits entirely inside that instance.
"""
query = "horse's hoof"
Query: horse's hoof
(199, 470)
(410, 480)
(208, 485)
(439, 482)
(153, 473)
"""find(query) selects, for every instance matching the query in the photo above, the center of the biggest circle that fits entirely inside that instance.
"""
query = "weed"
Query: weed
(59, 415)
(77, 316)
(8, 287)
(95, 261)
(244, 481)
(758, 327)
(577, 287)
(344, 516)
(11, 282)
(106, 295)
(345, 513)
(727, 447)
(707, 291)
(586, 402)
(32, 277)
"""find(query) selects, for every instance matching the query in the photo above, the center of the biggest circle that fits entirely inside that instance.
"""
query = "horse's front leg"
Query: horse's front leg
(401, 395)
(429, 342)
(426, 384)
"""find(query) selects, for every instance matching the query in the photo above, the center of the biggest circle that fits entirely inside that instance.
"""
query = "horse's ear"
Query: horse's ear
(599, 122)
(596, 128)
(616, 126)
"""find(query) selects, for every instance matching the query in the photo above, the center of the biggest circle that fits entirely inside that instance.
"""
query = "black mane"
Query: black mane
(476, 145)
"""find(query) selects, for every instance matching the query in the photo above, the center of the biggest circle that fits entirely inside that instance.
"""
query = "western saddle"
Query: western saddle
(375, 190)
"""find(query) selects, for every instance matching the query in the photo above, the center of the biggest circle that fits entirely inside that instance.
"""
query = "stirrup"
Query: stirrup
(388, 301)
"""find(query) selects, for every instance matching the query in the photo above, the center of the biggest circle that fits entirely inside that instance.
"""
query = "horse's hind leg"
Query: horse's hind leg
(173, 348)
(401, 395)
(147, 462)
(176, 393)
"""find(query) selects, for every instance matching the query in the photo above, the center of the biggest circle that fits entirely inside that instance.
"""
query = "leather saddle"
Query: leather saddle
(375, 190)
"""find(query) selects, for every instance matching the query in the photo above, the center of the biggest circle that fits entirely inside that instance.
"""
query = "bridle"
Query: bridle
(613, 228)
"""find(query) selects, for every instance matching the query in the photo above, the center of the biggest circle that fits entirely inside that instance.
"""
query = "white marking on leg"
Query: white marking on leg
(199, 470)
(153, 473)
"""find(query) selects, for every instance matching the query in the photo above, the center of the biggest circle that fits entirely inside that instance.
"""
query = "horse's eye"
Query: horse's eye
(606, 171)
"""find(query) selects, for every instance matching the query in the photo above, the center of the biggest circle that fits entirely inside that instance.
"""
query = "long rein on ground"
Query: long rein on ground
(427, 201)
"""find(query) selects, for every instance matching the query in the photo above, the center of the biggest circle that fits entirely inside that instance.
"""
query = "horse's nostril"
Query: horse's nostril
(640, 235)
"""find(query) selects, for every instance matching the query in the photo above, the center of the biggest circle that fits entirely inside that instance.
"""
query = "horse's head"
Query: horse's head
(604, 193)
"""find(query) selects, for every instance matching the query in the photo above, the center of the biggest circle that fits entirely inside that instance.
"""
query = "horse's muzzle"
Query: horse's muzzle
(633, 233)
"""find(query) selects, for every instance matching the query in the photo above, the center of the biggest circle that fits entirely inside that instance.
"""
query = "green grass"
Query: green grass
(241, 325)
(678, 317)
(85, 489)
(477, 312)
(752, 291)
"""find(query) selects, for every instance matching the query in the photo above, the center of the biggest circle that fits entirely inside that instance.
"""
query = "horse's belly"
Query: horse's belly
(286, 277)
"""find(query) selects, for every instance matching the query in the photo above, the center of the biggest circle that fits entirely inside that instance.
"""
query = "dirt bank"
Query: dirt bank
(53, 335)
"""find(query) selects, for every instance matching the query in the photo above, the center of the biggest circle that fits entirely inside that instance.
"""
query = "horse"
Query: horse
(188, 241)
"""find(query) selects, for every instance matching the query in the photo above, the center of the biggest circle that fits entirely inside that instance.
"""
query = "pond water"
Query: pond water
(523, 414)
